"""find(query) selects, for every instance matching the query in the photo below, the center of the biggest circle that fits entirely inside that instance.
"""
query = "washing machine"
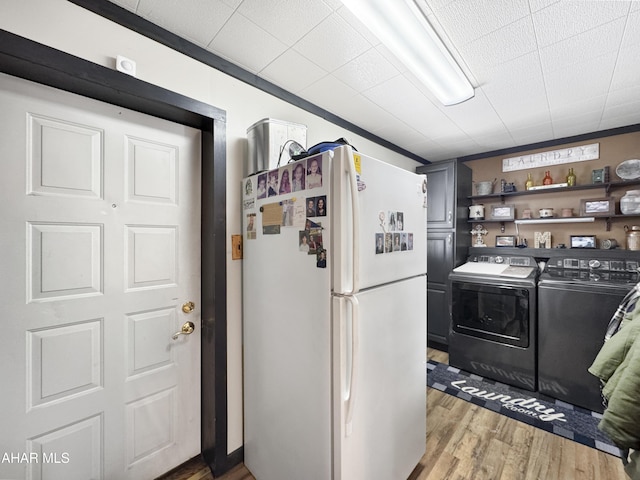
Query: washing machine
(576, 299)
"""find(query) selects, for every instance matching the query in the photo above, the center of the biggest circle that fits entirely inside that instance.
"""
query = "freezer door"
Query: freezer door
(379, 213)
(379, 384)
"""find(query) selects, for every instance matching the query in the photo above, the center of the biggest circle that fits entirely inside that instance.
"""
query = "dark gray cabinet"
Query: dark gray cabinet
(448, 238)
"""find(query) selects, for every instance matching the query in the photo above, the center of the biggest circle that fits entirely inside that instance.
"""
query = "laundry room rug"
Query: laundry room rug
(540, 411)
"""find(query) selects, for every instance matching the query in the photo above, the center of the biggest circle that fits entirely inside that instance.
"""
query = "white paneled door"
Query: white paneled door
(100, 259)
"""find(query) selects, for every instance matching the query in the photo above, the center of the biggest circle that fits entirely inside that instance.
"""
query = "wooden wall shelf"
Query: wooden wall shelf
(606, 186)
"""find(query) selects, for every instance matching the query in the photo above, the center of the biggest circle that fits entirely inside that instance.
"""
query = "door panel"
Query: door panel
(391, 206)
(379, 370)
(438, 315)
(440, 196)
(440, 256)
(100, 249)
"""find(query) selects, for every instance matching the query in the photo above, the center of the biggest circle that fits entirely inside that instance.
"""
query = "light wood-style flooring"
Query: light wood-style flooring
(467, 442)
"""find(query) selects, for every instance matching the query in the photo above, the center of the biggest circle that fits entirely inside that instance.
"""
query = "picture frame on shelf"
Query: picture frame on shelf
(505, 241)
(597, 175)
(598, 207)
(582, 241)
(502, 212)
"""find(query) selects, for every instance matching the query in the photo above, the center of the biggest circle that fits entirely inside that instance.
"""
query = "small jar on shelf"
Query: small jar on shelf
(630, 203)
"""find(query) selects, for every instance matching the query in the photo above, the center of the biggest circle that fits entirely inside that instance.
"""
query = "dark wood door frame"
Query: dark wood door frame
(39, 63)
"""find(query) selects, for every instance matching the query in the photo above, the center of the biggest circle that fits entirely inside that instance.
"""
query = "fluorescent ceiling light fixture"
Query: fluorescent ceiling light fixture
(404, 30)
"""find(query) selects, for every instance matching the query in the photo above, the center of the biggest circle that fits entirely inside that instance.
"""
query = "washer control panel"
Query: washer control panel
(603, 264)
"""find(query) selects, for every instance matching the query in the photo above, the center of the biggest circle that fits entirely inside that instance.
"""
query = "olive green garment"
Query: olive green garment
(617, 365)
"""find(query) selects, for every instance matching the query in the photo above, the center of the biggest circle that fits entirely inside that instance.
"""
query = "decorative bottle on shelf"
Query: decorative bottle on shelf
(571, 178)
(529, 183)
(547, 180)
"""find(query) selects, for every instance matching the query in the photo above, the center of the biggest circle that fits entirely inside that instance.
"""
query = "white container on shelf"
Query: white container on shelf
(630, 203)
(267, 138)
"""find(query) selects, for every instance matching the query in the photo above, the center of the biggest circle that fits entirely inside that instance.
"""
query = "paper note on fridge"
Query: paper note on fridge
(271, 214)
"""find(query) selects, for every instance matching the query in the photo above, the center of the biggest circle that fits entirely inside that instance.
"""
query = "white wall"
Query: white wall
(72, 29)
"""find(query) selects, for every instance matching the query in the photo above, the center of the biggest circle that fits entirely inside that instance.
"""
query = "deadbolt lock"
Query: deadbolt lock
(188, 307)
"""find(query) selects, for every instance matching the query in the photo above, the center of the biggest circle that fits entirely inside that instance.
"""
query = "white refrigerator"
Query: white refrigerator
(334, 319)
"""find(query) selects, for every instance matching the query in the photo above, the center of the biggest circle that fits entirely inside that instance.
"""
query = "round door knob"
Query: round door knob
(188, 307)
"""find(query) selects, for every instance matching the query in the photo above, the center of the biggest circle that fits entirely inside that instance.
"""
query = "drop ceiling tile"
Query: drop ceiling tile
(532, 133)
(366, 70)
(397, 95)
(627, 69)
(536, 134)
(490, 133)
(500, 46)
(333, 4)
(332, 43)
(254, 49)
(523, 112)
(491, 144)
(569, 127)
(434, 154)
(523, 103)
(293, 20)
(623, 97)
(588, 107)
(614, 121)
(578, 48)
(424, 146)
(292, 71)
(366, 114)
(502, 138)
(632, 30)
(357, 24)
(468, 20)
(579, 81)
(195, 20)
(329, 92)
(475, 116)
(401, 134)
(391, 58)
(623, 109)
(450, 138)
(433, 124)
(514, 77)
(565, 19)
(540, 4)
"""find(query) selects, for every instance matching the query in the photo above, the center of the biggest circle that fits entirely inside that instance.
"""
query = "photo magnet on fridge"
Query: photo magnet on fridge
(379, 243)
(321, 261)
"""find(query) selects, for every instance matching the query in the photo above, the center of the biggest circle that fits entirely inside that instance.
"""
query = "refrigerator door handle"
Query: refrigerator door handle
(350, 394)
(355, 222)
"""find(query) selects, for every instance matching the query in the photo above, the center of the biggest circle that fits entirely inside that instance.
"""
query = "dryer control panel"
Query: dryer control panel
(601, 264)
